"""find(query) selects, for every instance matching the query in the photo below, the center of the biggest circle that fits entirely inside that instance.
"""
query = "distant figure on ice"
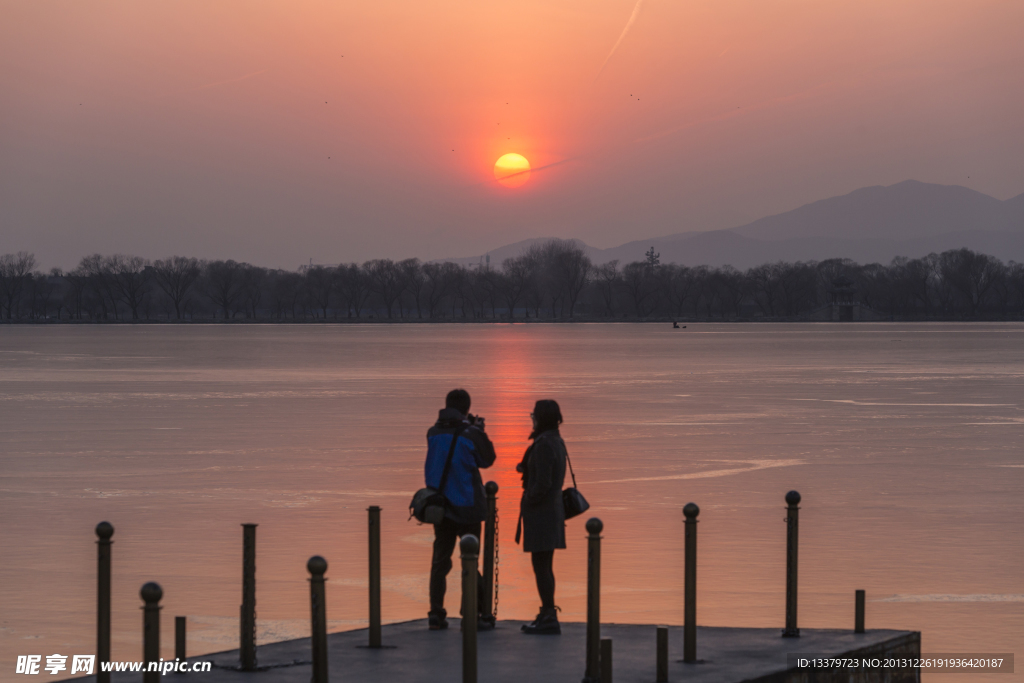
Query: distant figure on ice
(542, 513)
(456, 443)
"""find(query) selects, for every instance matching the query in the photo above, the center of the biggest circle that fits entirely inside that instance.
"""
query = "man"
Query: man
(466, 501)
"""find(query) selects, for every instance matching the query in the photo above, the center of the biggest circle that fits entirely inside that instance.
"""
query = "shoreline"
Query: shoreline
(683, 322)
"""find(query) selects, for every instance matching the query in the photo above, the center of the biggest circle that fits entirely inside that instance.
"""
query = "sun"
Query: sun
(512, 170)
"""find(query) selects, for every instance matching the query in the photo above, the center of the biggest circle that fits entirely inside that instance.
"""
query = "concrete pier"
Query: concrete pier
(726, 655)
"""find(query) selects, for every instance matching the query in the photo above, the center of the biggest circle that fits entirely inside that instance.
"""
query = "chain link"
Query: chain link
(496, 560)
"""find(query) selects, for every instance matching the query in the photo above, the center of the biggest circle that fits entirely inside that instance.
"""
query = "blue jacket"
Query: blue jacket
(464, 490)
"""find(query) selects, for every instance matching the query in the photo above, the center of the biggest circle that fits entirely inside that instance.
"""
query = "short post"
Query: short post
(104, 530)
(318, 612)
(179, 639)
(661, 668)
(470, 547)
(593, 673)
(374, 521)
(151, 594)
(858, 616)
(792, 541)
(690, 511)
(490, 526)
(606, 660)
(247, 622)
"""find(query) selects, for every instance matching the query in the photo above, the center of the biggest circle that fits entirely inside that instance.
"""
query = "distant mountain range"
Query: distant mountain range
(873, 224)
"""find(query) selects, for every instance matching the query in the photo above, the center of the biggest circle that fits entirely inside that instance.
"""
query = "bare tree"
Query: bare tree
(765, 280)
(638, 279)
(572, 269)
(969, 273)
(176, 277)
(608, 280)
(320, 282)
(1002, 288)
(733, 289)
(354, 285)
(42, 290)
(917, 278)
(77, 279)
(15, 270)
(414, 282)
(438, 281)
(877, 290)
(516, 271)
(385, 281)
(100, 280)
(488, 290)
(677, 283)
(251, 289)
(285, 290)
(1015, 277)
(130, 277)
(459, 284)
(222, 284)
(797, 283)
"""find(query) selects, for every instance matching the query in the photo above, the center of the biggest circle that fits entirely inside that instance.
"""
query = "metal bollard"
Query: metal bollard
(606, 660)
(318, 612)
(593, 673)
(792, 539)
(247, 622)
(470, 547)
(104, 530)
(151, 594)
(690, 511)
(486, 610)
(661, 667)
(179, 640)
(374, 522)
(858, 613)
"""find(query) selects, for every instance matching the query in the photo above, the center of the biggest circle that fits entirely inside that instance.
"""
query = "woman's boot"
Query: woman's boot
(546, 623)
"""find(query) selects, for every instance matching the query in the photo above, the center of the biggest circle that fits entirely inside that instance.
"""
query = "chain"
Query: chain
(496, 560)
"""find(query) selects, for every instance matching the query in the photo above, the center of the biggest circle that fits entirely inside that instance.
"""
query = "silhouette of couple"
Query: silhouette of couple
(459, 436)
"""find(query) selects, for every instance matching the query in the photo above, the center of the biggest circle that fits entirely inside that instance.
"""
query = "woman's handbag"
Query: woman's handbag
(572, 500)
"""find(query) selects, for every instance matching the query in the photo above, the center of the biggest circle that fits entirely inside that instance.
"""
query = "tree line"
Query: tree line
(553, 280)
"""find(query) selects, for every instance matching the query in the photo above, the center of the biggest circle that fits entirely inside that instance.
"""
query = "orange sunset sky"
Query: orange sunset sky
(276, 132)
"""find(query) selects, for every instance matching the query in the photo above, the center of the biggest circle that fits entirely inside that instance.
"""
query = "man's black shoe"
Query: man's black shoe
(437, 622)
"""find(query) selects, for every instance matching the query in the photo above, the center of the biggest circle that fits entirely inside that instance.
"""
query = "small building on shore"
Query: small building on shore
(844, 305)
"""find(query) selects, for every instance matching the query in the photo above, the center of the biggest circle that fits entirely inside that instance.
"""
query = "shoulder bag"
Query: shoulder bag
(573, 501)
(428, 505)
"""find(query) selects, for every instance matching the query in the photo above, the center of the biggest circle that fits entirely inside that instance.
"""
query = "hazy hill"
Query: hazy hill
(872, 224)
(1015, 210)
(902, 211)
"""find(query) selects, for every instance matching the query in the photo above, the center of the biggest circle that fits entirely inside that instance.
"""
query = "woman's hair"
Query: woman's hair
(548, 416)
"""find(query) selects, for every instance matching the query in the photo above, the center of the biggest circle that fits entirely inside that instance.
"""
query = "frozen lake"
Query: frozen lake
(905, 441)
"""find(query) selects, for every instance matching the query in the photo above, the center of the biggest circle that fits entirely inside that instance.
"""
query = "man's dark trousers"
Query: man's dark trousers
(445, 535)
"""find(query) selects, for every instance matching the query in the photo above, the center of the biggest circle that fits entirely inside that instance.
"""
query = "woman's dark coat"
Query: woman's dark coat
(542, 509)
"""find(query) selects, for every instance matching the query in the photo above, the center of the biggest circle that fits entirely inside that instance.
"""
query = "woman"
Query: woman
(541, 512)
